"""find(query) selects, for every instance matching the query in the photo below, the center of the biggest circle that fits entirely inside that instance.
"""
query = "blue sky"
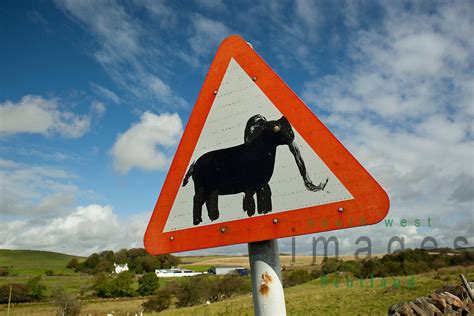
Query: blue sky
(94, 96)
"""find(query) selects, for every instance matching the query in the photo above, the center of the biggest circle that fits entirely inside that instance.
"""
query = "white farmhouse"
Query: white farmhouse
(119, 268)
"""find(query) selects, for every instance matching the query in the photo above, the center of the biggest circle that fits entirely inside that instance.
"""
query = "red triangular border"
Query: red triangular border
(369, 206)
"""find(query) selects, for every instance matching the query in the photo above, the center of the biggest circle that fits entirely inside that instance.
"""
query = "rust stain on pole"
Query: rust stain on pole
(266, 280)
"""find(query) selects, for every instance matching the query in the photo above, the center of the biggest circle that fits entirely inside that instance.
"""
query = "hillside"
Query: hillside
(305, 299)
(33, 262)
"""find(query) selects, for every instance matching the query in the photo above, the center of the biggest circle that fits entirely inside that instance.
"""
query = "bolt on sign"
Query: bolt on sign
(254, 163)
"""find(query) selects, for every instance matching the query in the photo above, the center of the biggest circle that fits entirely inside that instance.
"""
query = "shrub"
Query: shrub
(415, 267)
(297, 277)
(102, 286)
(316, 274)
(148, 284)
(73, 264)
(330, 265)
(351, 266)
(118, 286)
(49, 273)
(229, 285)
(35, 288)
(19, 293)
(66, 305)
(370, 267)
(193, 291)
(122, 285)
(159, 302)
(4, 271)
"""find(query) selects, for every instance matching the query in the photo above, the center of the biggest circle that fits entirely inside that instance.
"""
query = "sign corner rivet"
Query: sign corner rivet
(222, 229)
(254, 78)
(171, 238)
(275, 221)
(340, 209)
(215, 92)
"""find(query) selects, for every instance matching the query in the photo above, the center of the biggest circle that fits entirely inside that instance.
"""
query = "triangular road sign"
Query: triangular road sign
(255, 163)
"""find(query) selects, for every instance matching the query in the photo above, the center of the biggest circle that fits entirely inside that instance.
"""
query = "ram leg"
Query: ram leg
(212, 205)
(249, 202)
(198, 201)
(264, 199)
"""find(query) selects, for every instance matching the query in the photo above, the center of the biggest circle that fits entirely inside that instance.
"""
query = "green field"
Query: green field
(33, 262)
(307, 299)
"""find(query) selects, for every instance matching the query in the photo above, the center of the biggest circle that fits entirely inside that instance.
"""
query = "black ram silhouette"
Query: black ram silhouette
(244, 168)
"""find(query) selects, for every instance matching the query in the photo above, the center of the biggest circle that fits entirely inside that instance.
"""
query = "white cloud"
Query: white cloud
(34, 190)
(105, 93)
(415, 64)
(81, 231)
(109, 21)
(33, 114)
(145, 144)
(214, 5)
(402, 106)
(207, 34)
(130, 53)
(308, 12)
(160, 11)
(98, 108)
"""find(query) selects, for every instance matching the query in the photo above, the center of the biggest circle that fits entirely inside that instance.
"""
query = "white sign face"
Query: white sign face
(239, 99)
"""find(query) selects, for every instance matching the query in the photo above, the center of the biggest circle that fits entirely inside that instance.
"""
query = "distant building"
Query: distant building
(175, 273)
(119, 268)
(221, 270)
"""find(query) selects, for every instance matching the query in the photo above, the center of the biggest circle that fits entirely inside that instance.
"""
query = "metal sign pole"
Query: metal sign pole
(267, 288)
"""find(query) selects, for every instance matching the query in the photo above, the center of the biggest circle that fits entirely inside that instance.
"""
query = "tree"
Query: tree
(159, 302)
(90, 263)
(73, 264)
(103, 286)
(35, 288)
(66, 305)
(122, 285)
(148, 284)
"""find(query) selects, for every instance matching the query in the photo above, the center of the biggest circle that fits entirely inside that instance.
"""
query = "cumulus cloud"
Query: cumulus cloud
(402, 107)
(146, 144)
(34, 190)
(81, 231)
(34, 114)
(403, 104)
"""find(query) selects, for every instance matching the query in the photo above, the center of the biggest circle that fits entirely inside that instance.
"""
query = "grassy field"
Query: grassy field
(306, 299)
(199, 263)
(313, 298)
(33, 262)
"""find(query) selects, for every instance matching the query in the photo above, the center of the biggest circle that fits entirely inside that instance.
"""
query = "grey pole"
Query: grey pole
(267, 288)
